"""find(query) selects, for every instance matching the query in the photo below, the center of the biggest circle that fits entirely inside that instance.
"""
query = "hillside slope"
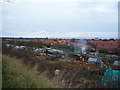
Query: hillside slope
(17, 75)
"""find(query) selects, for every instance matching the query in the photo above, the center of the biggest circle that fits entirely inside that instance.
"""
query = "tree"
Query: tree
(73, 40)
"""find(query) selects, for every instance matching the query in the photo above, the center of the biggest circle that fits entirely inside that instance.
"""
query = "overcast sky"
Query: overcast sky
(60, 19)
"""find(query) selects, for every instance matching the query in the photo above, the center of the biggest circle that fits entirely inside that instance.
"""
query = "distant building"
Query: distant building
(96, 61)
(116, 63)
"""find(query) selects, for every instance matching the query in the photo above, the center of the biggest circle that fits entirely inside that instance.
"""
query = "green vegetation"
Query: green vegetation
(103, 51)
(5, 42)
(17, 75)
(29, 44)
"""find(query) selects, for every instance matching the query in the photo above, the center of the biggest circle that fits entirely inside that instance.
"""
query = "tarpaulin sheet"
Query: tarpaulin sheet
(111, 78)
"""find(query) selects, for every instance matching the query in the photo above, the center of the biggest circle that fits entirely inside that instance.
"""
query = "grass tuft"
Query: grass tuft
(17, 75)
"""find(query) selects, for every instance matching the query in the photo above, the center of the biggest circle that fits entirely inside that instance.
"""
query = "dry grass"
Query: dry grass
(17, 75)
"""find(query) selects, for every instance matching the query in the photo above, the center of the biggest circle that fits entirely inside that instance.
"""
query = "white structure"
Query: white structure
(96, 61)
(55, 51)
(19, 47)
(92, 60)
(117, 63)
(56, 72)
(9, 45)
(39, 50)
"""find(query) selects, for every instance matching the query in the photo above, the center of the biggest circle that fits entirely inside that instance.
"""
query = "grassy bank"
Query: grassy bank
(17, 75)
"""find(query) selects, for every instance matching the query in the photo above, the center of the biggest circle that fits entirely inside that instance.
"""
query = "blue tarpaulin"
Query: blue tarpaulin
(111, 78)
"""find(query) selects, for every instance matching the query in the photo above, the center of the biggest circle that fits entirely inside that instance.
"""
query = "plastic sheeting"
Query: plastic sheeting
(111, 78)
